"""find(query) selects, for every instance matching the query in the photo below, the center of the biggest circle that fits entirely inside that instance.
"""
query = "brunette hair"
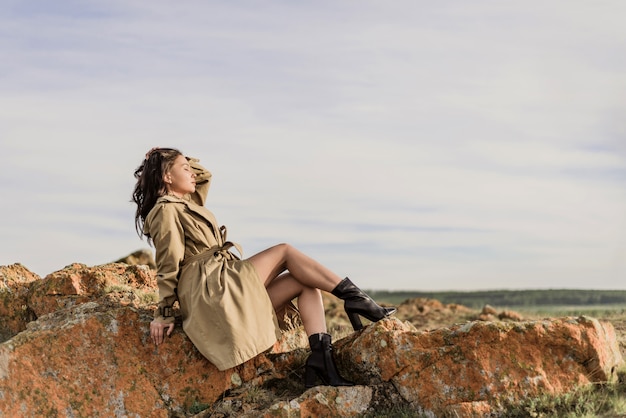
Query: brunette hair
(150, 185)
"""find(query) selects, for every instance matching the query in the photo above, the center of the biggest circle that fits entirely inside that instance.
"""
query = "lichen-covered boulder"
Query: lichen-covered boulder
(467, 367)
(92, 360)
(121, 284)
(15, 281)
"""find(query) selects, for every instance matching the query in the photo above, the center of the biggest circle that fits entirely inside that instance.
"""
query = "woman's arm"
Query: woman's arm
(168, 237)
(203, 181)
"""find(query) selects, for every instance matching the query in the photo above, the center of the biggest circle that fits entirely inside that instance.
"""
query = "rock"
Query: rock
(465, 367)
(489, 313)
(489, 310)
(77, 283)
(88, 354)
(508, 315)
(15, 281)
(426, 313)
(92, 360)
(140, 257)
(323, 401)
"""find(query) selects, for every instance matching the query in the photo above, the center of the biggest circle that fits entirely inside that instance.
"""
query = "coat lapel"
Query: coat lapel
(201, 211)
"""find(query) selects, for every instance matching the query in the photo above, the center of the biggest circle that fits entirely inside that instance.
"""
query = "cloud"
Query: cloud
(409, 145)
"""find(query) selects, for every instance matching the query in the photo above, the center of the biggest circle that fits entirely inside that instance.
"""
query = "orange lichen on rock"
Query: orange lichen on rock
(77, 344)
(482, 361)
(15, 281)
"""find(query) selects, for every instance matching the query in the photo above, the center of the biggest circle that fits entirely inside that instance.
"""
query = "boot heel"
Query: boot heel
(358, 303)
(310, 376)
(355, 320)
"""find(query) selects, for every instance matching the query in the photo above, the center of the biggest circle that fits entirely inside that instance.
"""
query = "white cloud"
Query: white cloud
(410, 145)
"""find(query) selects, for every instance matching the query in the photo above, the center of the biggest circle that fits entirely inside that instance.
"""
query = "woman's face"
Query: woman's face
(180, 180)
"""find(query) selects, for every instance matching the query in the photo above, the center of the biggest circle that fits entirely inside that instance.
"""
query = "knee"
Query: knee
(285, 248)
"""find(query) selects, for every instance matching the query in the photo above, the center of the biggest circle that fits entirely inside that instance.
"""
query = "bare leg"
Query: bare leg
(284, 288)
(306, 276)
(275, 260)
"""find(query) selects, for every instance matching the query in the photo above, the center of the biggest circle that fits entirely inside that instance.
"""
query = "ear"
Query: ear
(167, 178)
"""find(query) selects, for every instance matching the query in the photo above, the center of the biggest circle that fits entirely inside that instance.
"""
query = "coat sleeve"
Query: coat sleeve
(203, 181)
(166, 231)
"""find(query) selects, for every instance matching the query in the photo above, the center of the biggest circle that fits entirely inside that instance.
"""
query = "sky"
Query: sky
(409, 145)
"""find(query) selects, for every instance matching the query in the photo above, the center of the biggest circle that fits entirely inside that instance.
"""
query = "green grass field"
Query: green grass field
(513, 299)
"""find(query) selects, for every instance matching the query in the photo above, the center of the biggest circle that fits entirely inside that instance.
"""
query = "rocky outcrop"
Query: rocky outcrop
(489, 313)
(426, 313)
(324, 401)
(80, 347)
(479, 365)
(88, 352)
(117, 284)
(140, 257)
(14, 310)
(92, 359)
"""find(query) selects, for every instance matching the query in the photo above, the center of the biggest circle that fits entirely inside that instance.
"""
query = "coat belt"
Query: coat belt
(215, 251)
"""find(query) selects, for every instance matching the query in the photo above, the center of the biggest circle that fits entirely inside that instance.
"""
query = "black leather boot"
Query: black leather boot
(358, 303)
(321, 363)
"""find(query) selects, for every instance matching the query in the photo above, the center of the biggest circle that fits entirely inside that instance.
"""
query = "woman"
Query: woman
(230, 307)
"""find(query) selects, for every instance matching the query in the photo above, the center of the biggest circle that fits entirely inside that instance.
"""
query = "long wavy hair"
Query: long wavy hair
(150, 185)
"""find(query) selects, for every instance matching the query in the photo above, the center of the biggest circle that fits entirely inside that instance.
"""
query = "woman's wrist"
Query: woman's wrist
(163, 320)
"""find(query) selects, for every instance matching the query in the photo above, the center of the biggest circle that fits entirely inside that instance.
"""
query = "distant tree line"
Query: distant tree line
(511, 298)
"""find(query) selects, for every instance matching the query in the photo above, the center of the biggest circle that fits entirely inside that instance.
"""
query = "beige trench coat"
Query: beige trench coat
(226, 311)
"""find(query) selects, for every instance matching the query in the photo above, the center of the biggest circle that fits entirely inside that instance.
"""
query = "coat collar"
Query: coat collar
(192, 206)
(172, 198)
